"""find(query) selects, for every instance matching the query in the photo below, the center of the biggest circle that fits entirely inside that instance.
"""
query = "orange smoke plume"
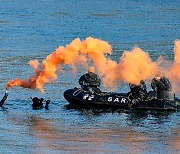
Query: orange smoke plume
(174, 72)
(136, 66)
(133, 66)
(75, 52)
(175, 69)
(97, 50)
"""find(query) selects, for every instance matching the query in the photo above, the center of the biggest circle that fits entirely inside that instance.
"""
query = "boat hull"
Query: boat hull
(86, 99)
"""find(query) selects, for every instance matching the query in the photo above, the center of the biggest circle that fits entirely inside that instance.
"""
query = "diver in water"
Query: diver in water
(4, 98)
(90, 81)
(47, 104)
(138, 91)
(38, 103)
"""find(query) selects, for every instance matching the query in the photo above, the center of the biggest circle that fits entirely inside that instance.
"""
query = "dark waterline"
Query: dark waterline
(33, 29)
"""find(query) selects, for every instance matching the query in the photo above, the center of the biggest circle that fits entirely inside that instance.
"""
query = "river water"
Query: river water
(34, 29)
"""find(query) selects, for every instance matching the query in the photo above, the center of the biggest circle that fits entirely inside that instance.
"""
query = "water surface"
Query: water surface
(33, 29)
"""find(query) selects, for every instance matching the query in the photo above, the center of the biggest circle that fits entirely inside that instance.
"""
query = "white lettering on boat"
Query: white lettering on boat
(123, 100)
(135, 101)
(117, 99)
(91, 97)
(109, 99)
(88, 97)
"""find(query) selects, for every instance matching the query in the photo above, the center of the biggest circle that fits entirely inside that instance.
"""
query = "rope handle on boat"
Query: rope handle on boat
(77, 92)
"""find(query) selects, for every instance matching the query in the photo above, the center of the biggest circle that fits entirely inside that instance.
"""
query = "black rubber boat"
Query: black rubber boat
(86, 99)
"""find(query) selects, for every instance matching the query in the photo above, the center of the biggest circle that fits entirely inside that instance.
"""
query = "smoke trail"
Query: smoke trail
(134, 66)
(174, 72)
(73, 53)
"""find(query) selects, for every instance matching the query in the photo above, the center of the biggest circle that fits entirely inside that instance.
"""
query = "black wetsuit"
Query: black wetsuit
(3, 99)
(162, 89)
(90, 82)
(138, 91)
(162, 84)
(37, 103)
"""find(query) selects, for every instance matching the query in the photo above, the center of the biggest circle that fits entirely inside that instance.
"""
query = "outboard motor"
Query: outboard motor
(165, 95)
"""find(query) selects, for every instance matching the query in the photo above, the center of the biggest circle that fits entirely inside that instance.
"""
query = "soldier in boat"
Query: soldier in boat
(162, 88)
(90, 81)
(138, 91)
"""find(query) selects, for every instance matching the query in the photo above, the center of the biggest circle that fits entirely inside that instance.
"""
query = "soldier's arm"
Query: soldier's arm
(167, 84)
(82, 78)
(153, 85)
(99, 81)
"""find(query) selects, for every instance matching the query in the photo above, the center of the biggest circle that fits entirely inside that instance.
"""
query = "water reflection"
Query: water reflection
(84, 139)
(44, 131)
(133, 115)
(90, 131)
(33, 30)
(138, 131)
(174, 140)
(157, 117)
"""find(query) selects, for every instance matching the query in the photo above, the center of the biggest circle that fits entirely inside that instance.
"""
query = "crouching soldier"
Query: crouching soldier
(162, 88)
(138, 91)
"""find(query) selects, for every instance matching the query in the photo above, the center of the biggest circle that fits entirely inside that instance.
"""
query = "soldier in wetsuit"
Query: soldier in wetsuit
(37, 103)
(138, 91)
(90, 81)
(161, 83)
(4, 98)
(161, 88)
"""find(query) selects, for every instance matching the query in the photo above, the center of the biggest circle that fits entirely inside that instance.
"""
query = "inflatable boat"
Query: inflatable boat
(85, 99)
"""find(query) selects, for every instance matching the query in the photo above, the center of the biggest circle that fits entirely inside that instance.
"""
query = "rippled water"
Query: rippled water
(33, 29)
